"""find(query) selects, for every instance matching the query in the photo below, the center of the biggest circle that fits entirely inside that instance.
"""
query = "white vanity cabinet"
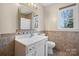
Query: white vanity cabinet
(37, 49)
(36, 46)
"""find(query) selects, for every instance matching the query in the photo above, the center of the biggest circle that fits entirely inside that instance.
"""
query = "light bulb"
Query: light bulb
(18, 4)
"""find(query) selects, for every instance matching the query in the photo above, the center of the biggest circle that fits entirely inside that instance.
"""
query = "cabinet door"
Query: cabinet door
(31, 50)
(37, 49)
(40, 47)
(20, 49)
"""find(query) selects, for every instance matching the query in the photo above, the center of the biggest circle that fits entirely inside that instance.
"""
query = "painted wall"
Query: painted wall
(41, 26)
(8, 17)
(51, 16)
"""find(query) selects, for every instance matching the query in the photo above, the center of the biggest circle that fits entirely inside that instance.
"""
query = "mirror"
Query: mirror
(35, 21)
(25, 17)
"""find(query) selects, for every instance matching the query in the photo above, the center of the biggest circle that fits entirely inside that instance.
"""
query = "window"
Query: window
(66, 17)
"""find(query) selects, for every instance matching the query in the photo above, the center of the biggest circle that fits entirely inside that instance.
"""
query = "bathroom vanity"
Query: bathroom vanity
(34, 46)
(26, 45)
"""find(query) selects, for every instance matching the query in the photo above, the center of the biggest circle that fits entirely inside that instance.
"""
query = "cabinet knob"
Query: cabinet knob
(30, 49)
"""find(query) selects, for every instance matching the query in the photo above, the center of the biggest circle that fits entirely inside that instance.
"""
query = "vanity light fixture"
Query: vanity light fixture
(30, 5)
(18, 4)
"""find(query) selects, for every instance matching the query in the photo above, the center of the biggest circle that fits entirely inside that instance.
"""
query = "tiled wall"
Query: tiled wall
(6, 44)
(67, 43)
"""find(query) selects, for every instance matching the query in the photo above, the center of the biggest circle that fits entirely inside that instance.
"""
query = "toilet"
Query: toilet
(51, 45)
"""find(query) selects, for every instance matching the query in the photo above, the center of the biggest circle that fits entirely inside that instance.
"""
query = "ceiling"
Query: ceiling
(46, 4)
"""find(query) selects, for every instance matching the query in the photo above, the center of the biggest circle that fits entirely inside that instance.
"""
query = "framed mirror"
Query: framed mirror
(25, 18)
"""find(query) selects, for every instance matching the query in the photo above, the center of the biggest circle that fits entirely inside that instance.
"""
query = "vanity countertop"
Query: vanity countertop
(30, 40)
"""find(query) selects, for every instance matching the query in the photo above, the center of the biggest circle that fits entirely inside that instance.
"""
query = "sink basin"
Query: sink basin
(26, 40)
